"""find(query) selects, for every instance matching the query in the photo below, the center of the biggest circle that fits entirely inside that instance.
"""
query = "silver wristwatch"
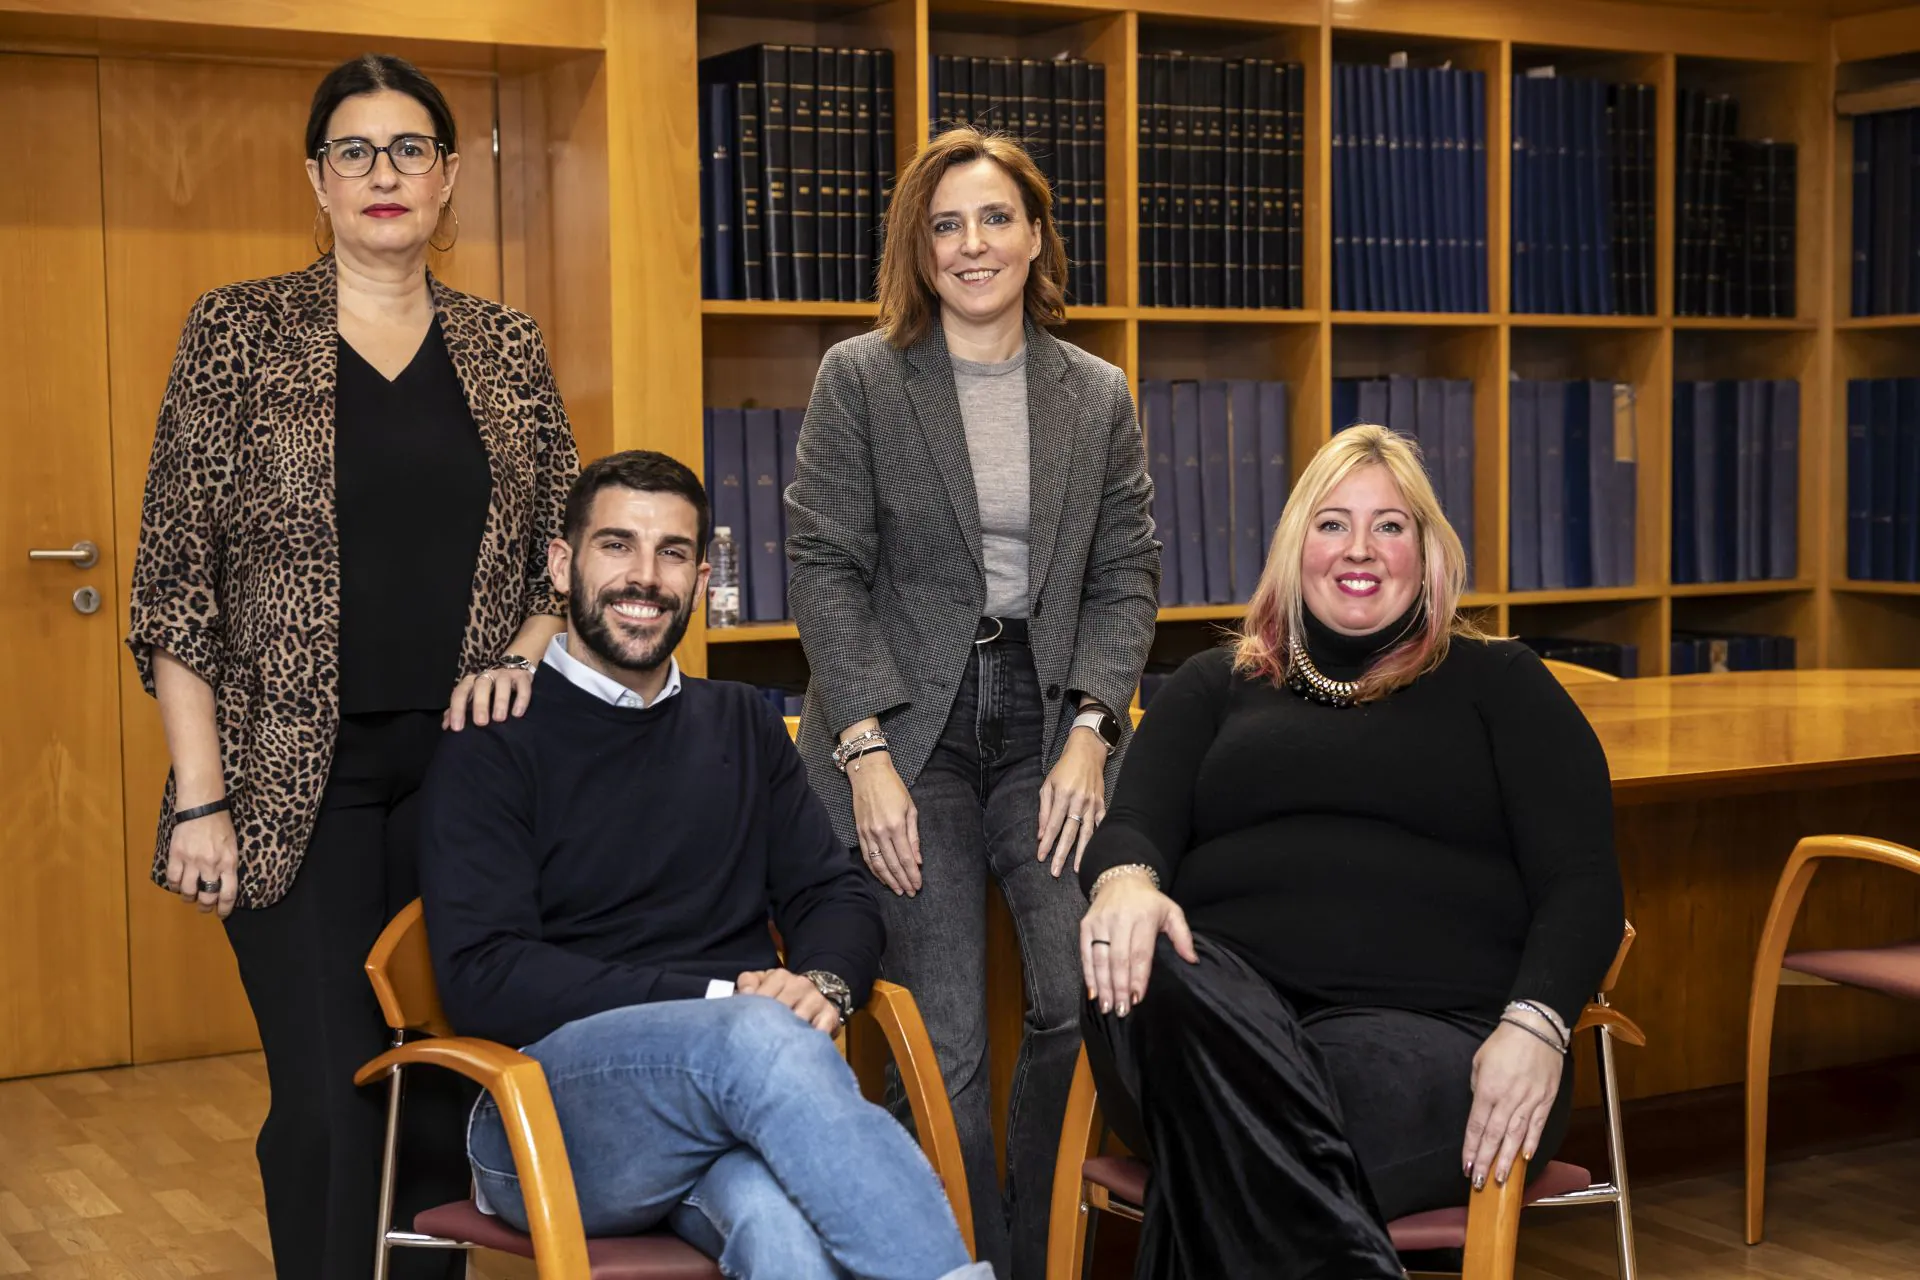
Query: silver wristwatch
(511, 662)
(835, 989)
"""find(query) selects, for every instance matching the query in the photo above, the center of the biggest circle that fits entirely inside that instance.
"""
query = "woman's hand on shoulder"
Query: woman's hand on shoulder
(1516, 1077)
(1117, 937)
(488, 696)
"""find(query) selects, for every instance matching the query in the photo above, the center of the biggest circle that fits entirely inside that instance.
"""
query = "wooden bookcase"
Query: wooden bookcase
(1783, 67)
(1864, 624)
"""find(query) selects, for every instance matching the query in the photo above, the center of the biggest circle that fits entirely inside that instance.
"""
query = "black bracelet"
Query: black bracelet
(1539, 1035)
(866, 751)
(201, 811)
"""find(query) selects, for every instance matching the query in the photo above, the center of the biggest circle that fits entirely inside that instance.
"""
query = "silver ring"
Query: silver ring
(209, 886)
(1074, 817)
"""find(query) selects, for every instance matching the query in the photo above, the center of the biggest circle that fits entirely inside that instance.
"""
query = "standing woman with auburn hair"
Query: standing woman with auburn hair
(975, 580)
(343, 546)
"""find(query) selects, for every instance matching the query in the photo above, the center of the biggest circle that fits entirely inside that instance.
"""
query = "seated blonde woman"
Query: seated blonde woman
(1355, 886)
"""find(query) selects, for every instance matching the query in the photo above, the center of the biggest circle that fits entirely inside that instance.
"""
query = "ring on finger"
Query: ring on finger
(1074, 817)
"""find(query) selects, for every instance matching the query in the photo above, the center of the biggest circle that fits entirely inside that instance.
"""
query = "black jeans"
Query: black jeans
(979, 813)
(1281, 1144)
(302, 961)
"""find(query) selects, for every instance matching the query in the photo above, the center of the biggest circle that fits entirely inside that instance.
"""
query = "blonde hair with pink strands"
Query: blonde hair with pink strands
(1275, 611)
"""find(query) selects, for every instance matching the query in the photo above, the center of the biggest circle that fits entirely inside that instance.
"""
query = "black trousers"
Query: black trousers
(1282, 1144)
(302, 963)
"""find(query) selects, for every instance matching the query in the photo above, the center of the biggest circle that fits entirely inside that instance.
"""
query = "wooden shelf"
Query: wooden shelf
(1416, 319)
(753, 633)
(1851, 323)
(1098, 313)
(1203, 613)
(1227, 315)
(1766, 587)
(1533, 320)
(790, 310)
(1583, 595)
(1878, 588)
(1746, 323)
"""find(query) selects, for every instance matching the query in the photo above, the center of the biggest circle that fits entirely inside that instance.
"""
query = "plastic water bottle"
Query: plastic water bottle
(723, 585)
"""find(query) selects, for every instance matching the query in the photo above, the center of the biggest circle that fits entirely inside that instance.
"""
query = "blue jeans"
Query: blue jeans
(740, 1127)
(979, 803)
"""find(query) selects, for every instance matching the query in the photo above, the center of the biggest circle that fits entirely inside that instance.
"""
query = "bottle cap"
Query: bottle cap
(723, 531)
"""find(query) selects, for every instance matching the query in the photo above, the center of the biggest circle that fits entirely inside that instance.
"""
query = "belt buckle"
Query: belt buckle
(999, 629)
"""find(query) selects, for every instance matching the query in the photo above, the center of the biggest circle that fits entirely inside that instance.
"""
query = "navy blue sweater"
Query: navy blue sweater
(586, 857)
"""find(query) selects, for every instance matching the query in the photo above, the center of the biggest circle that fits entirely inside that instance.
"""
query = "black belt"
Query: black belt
(1001, 630)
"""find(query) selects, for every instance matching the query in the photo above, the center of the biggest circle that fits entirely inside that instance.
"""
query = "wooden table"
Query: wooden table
(1715, 778)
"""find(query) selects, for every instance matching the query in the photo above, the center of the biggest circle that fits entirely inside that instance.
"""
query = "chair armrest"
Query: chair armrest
(892, 1009)
(1079, 1142)
(519, 1088)
(1618, 1023)
(1493, 1226)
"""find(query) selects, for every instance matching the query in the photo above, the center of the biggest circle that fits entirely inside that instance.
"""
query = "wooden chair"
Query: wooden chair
(1086, 1181)
(401, 971)
(1574, 673)
(1892, 970)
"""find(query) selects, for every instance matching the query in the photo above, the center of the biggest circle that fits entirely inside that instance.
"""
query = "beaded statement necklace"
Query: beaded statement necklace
(1306, 679)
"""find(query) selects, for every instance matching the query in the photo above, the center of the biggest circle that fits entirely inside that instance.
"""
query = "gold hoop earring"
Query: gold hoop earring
(320, 216)
(445, 209)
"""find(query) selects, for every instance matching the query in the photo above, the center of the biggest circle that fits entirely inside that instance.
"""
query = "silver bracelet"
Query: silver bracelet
(1537, 1034)
(847, 750)
(1553, 1019)
(1100, 881)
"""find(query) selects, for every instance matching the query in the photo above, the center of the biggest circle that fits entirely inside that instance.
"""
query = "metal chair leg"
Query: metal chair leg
(389, 1163)
(1617, 1157)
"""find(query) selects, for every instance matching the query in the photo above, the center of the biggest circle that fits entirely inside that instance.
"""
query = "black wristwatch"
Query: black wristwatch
(835, 989)
(511, 662)
(1096, 717)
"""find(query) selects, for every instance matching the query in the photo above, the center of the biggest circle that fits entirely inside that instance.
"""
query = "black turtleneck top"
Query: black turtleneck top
(1447, 848)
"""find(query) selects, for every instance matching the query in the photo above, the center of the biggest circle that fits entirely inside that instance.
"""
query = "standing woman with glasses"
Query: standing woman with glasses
(355, 476)
(975, 580)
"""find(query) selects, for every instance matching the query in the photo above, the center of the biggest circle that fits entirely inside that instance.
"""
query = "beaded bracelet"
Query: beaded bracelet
(1100, 881)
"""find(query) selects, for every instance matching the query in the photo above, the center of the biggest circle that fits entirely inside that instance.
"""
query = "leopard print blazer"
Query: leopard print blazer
(238, 569)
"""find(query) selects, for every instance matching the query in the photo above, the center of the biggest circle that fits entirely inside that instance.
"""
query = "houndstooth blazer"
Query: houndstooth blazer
(887, 580)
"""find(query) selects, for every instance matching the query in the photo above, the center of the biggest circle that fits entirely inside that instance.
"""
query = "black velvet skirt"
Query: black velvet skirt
(1281, 1144)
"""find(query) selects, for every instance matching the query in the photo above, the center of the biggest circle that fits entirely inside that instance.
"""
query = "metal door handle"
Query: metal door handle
(84, 555)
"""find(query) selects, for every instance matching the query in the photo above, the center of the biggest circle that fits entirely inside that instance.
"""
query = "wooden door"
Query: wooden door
(205, 186)
(63, 931)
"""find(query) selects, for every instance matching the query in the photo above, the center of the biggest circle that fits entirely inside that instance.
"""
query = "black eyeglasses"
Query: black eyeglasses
(410, 153)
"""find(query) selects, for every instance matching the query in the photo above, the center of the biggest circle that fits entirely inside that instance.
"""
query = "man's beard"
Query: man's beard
(591, 625)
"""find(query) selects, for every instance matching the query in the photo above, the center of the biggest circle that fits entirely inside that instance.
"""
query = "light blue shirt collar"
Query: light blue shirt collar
(609, 691)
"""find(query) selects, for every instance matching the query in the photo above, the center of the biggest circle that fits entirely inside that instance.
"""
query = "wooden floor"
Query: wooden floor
(148, 1174)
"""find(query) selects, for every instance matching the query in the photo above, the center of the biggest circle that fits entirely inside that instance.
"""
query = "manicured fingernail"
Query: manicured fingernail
(1123, 1008)
(1106, 1006)
(1479, 1181)
(1466, 1169)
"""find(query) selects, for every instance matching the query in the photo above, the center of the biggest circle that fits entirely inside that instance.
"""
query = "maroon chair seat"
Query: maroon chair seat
(1894, 970)
(1126, 1178)
(660, 1255)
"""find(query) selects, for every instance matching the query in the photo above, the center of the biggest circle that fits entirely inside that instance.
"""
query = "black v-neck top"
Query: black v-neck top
(411, 488)
(1447, 848)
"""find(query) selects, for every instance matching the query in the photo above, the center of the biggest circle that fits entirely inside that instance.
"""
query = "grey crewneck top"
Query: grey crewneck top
(993, 407)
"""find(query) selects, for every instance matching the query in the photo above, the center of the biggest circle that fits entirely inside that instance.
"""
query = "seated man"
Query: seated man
(598, 875)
